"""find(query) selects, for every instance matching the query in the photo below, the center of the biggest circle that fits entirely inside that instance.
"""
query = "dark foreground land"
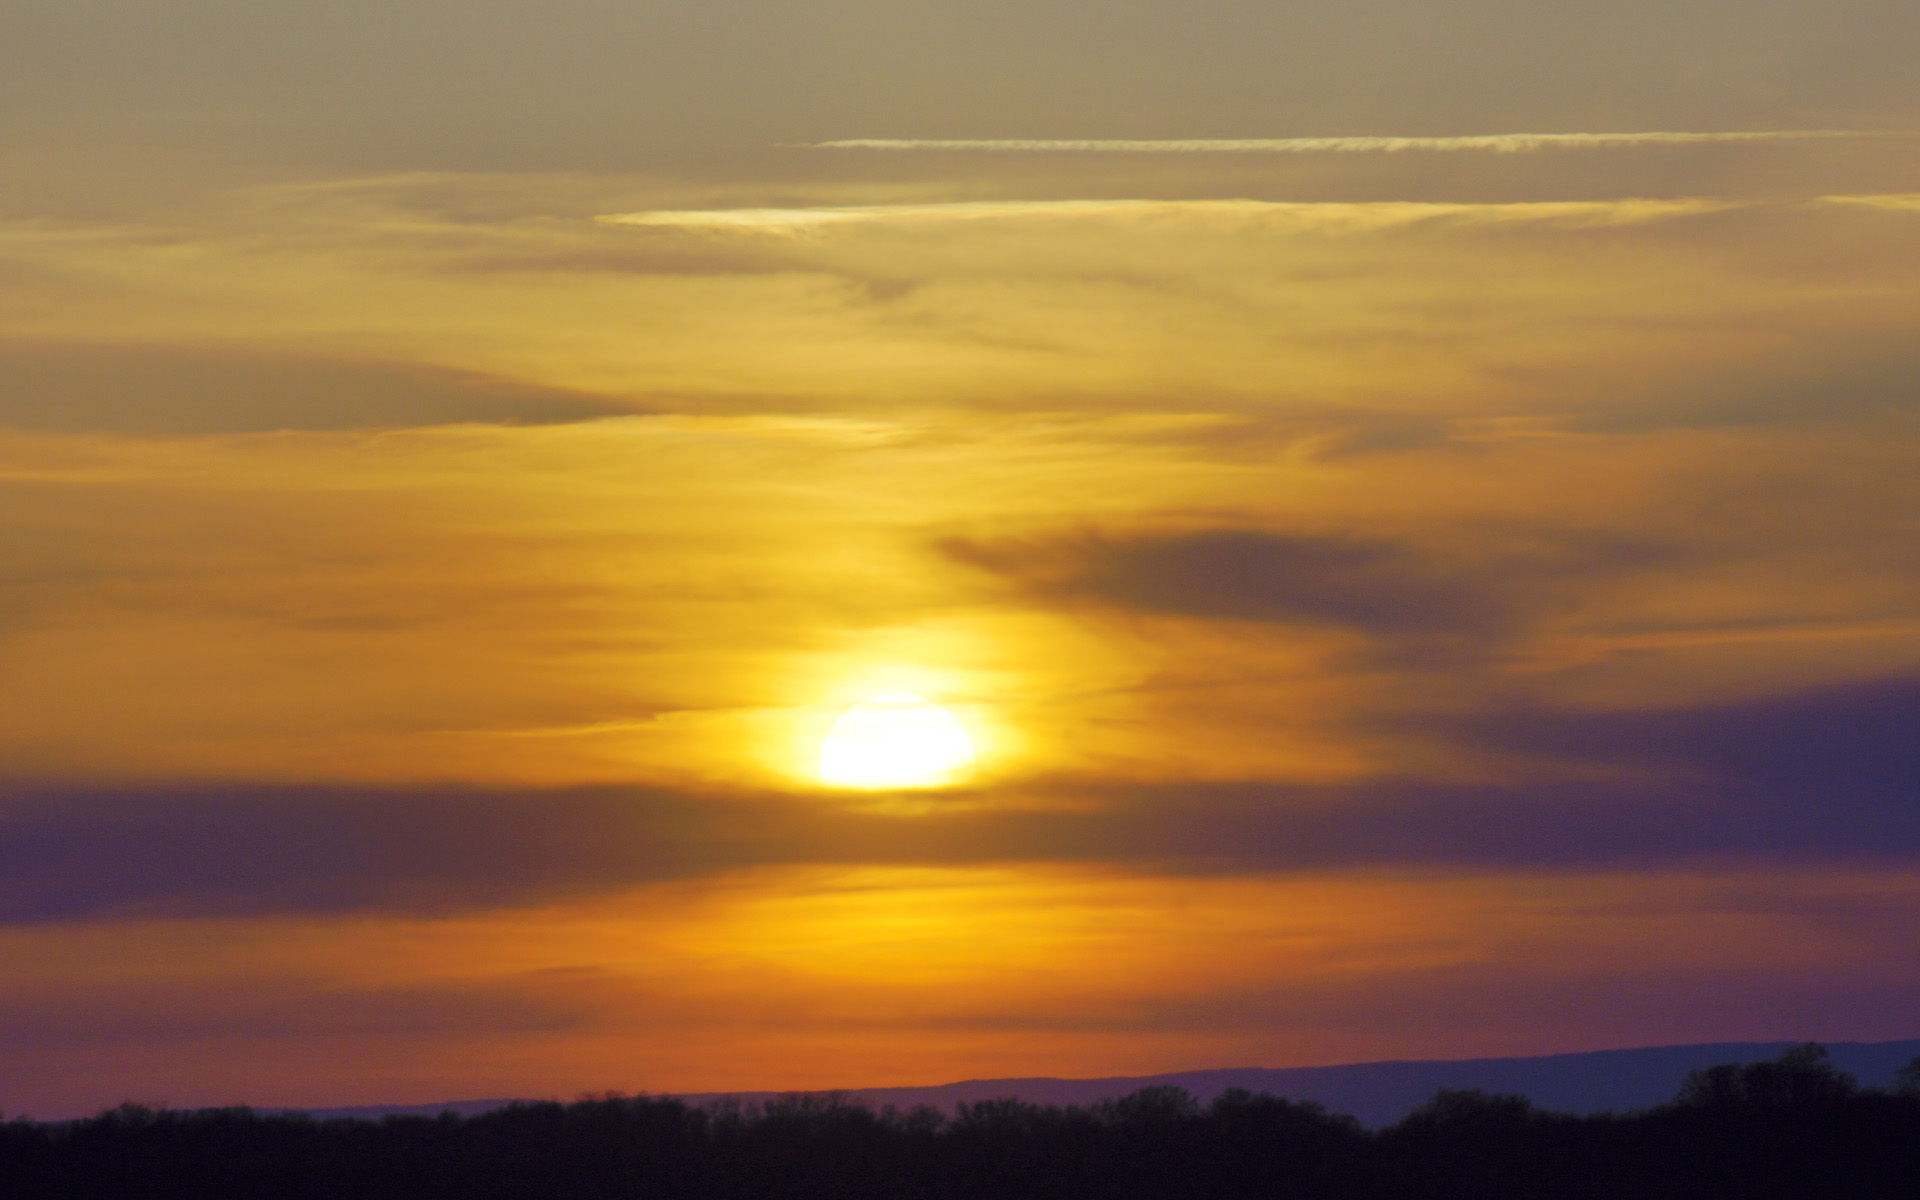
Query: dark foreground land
(1793, 1127)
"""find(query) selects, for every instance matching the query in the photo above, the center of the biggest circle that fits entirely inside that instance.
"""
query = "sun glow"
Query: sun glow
(898, 740)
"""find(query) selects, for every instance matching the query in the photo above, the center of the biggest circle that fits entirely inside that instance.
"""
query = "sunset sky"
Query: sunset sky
(1415, 507)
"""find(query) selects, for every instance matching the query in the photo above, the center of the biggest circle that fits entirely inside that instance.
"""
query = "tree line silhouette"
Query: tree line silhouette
(1792, 1127)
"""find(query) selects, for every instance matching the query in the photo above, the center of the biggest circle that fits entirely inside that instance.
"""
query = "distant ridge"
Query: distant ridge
(1378, 1093)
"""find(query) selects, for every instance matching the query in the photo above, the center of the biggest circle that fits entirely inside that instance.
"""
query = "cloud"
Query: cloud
(131, 388)
(243, 849)
(1249, 575)
(1498, 143)
(1829, 774)
(1864, 380)
(1422, 599)
(287, 1006)
(795, 220)
(1891, 203)
(1232, 213)
(1819, 776)
(1820, 756)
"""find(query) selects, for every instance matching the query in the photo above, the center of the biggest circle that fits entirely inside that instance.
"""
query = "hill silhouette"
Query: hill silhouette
(1377, 1093)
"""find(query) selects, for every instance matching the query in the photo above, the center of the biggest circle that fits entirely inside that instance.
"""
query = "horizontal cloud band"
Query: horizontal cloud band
(1499, 143)
(1232, 213)
(1818, 776)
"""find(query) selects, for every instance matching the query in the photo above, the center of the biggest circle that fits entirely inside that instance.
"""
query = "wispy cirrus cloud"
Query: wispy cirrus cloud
(1498, 143)
(1233, 213)
(1887, 203)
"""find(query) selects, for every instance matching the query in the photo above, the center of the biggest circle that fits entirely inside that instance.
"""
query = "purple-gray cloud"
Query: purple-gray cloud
(1823, 776)
(1421, 603)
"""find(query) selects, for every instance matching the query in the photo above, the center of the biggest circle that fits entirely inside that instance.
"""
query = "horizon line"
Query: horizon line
(856, 1090)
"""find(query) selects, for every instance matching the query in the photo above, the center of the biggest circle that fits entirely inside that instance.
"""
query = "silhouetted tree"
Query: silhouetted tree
(1906, 1081)
(1801, 1075)
(1788, 1129)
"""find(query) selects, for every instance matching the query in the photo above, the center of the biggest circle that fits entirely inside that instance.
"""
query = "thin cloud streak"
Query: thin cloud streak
(1498, 143)
(796, 221)
(1889, 203)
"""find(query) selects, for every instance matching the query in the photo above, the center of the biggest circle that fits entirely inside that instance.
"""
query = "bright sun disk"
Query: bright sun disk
(898, 740)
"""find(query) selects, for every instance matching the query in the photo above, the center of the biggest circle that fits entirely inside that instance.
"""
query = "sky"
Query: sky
(1413, 505)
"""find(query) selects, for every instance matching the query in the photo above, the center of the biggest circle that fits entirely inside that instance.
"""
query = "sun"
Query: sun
(898, 740)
